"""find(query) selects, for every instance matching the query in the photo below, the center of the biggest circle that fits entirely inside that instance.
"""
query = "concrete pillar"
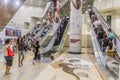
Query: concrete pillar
(75, 26)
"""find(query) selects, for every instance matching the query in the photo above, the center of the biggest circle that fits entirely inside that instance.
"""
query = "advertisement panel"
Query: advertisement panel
(75, 26)
(12, 32)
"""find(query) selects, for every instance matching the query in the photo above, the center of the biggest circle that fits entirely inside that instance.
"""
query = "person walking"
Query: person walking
(7, 56)
(20, 45)
(37, 55)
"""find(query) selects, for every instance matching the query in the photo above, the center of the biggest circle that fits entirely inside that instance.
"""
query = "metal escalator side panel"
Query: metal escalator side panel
(63, 38)
(49, 46)
(96, 47)
(52, 41)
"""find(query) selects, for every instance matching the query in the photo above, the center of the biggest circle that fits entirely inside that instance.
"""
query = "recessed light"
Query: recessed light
(17, 2)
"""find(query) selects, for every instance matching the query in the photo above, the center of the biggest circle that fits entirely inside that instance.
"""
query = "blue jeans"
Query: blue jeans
(100, 41)
(103, 48)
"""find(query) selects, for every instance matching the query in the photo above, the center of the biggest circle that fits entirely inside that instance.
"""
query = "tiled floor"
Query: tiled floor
(27, 72)
(72, 67)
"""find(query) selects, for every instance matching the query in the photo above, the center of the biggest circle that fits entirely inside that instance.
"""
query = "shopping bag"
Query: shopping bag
(10, 52)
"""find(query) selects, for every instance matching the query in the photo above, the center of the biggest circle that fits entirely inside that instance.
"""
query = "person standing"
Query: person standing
(8, 58)
(21, 49)
(37, 55)
(104, 42)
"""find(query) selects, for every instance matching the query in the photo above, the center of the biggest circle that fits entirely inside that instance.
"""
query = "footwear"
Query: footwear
(21, 63)
(33, 63)
(7, 73)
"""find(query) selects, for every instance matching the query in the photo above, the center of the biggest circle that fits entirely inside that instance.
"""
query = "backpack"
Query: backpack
(105, 42)
(111, 35)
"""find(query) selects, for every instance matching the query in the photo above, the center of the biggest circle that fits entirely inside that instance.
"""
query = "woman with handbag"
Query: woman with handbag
(8, 55)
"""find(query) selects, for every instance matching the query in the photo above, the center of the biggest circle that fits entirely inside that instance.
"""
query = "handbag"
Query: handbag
(10, 52)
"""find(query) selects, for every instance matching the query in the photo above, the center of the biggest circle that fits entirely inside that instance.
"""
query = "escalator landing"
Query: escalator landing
(72, 67)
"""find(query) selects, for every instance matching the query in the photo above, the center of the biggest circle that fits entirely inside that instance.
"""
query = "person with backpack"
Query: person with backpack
(104, 42)
(111, 35)
(100, 34)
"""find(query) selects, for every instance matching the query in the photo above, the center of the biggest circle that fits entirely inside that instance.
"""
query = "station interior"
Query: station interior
(60, 39)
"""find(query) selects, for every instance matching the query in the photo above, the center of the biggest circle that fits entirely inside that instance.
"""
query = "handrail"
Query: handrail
(96, 44)
(63, 38)
(51, 43)
(117, 43)
(43, 39)
(39, 33)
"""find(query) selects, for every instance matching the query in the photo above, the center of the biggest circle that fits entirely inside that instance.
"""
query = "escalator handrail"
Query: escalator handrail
(63, 37)
(96, 45)
(39, 33)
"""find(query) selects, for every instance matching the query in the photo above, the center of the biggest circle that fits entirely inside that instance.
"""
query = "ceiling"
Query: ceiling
(7, 11)
(40, 3)
(65, 10)
(85, 3)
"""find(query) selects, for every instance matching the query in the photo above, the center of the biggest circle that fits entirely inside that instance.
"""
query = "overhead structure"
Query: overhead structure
(8, 9)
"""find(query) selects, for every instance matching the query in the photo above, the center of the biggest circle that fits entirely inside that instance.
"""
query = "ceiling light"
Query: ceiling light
(17, 3)
(99, 0)
(6, 1)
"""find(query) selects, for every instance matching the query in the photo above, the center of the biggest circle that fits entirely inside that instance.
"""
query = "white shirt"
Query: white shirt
(96, 23)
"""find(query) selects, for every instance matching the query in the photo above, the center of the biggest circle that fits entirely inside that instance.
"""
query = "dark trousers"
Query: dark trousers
(20, 56)
(37, 56)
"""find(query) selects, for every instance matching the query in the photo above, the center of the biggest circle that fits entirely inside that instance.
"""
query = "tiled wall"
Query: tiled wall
(106, 4)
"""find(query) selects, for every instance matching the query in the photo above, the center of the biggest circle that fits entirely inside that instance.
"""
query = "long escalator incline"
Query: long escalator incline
(100, 55)
(53, 40)
(106, 26)
(62, 37)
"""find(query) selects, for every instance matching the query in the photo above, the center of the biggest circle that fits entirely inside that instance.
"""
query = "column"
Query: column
(75, 26)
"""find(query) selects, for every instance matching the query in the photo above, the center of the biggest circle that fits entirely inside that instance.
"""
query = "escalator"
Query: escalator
(62, 38)
(39, 32)
(49, 41)
(106, 26)
(50, 45)
(46, 35)
(101, 57)
(8, 10)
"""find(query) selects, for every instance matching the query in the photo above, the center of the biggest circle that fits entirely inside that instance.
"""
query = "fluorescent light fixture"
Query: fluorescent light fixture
(6, 1)
(17, 2)
(100, 0)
